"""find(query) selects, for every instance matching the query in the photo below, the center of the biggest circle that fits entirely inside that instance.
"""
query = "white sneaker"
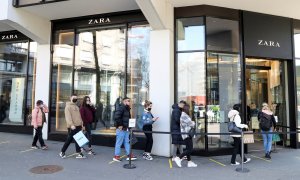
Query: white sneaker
(235, 164)
(191, 164)
(178, 161)
(248, 160)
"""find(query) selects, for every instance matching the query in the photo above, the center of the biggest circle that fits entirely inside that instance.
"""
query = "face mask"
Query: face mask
(74, 100)
(181, 109)
(149, 109)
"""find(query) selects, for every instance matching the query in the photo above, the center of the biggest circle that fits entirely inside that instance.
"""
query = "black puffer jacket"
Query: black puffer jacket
(175, 125)
(122, 116)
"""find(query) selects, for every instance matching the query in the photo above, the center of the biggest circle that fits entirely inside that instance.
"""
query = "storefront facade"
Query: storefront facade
(212, 57)
(17, 81)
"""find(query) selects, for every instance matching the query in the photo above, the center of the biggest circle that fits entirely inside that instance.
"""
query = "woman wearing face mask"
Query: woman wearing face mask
(38, 119)
(87, 111)
(148, 120)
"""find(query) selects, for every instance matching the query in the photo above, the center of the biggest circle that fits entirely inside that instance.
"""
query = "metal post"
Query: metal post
(130, 166)
(242, 170)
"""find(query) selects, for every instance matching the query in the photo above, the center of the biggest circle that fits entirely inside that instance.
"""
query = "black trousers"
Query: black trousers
(188, 150)
(236, 149)
(88, 134)
(149, 138)
(38, 136)
(69, 140)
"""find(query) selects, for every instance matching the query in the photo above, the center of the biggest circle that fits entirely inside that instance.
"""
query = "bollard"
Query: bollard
(130, 166)
(242, 169)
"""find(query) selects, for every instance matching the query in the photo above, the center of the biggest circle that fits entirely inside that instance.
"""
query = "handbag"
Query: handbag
(233, 128)
(80, 139)
(276, 138)
(248, 138)
(192, 132)
(134, 140)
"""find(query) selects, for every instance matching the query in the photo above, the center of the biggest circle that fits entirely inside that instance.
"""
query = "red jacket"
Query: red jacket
(87, 114)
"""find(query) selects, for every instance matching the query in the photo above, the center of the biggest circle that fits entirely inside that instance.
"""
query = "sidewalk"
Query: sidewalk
(17, 159)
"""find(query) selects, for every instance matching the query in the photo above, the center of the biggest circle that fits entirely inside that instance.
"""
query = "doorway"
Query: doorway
(266, 82)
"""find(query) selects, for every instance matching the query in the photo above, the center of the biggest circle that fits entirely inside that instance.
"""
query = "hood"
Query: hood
(175, 106)
(232, 113)
(268, 112)
(70, 104)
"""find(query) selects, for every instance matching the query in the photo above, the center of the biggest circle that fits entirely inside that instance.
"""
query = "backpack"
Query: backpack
(265, 122)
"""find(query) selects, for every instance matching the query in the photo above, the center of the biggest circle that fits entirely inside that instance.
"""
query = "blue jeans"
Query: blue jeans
(267, 140)
(122, 137)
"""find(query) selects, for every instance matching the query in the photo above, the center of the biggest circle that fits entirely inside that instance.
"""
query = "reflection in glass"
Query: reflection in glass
(223, 91)
(222, 34)
(61, 78)
(191, 71)
(138, 67)
(190, 34)
(13, 70)
(297, 62)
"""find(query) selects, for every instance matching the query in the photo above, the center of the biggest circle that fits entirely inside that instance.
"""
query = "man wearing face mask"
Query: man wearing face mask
(74, 125)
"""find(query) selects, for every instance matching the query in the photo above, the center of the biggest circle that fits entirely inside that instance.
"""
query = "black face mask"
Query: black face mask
(181, 109)
(74, 100)
(149, 109)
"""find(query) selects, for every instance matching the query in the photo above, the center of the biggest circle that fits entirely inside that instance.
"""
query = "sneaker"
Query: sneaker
(45, 147)
(184, 158)
(147, 156)
(35, 147)
(235, 164)
(247, 160)
(191, 164)
(117, 159)
(133, 157)
(80, 156)
(62, 155)
(91, 152)
(178, 161)
(267, 156)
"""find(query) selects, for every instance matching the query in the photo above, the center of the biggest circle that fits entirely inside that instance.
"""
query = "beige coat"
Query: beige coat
(72, 114)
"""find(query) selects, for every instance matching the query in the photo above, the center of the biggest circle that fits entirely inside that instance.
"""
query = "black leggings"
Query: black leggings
(149, 138)
(188, 150)
(38, 136)
(236, 149)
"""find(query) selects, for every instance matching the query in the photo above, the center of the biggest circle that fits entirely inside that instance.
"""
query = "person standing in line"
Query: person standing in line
(148, 120)
(74, 125)
(122, 116)
(267, 121)
(87, 111)
(235, 117)
(177, 140)
(186, 126)
(38, 120)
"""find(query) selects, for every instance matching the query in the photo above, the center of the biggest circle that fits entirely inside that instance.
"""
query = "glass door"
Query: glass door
(100, 72)
(266, 82)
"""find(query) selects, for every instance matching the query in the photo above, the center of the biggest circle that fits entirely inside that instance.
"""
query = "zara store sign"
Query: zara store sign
(99, 21)
(9, 37)
(267, 36)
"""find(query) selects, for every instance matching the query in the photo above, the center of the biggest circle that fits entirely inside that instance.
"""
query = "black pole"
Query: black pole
(242, 169)
(130, 166)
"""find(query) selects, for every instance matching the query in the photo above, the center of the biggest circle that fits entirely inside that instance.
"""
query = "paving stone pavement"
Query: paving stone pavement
(17, 159)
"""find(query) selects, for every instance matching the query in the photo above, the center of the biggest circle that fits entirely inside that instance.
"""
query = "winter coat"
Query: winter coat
(37, 116)
(72, 114)
(186, 124)
(87, 114)
(270, 113)
(175, 125)
(235, 117)
(122, 116)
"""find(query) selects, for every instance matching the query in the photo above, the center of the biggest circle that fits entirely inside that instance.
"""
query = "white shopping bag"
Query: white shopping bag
(80, 139)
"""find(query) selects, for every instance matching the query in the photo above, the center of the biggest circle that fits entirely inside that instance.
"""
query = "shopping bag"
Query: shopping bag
(80, 139)
(134, 139)
(248, 138)
(276, 138)
(254, 123)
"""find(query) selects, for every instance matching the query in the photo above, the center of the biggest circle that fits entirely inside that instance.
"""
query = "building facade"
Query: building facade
(211, 55)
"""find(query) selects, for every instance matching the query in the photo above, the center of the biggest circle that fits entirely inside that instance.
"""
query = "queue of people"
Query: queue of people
(78, 119)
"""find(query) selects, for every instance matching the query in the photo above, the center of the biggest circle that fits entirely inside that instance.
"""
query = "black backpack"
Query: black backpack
(265, 122)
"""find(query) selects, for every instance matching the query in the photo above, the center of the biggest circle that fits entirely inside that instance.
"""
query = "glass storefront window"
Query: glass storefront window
(223, 91)
(297, 63)
(62, 72)
(222, 34)
(138, 67)
(191, 70)
(190, 34)
(14, 68)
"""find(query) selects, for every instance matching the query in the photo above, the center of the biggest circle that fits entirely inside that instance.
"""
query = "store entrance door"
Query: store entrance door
(266, 83)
